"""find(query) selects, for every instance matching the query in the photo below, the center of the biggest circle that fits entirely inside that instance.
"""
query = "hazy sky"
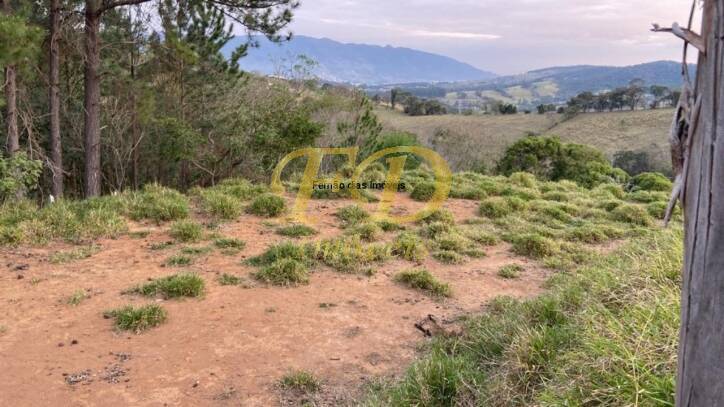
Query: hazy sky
(505, 36)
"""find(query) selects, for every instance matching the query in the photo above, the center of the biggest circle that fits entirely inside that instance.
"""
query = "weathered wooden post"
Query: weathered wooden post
(698, 156)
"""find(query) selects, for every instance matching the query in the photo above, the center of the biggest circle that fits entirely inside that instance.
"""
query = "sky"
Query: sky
(505, 36)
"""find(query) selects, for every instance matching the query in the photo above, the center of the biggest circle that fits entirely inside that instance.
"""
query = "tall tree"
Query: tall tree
(697, 140)
(56, 151)
(11, 96)
(267, 17)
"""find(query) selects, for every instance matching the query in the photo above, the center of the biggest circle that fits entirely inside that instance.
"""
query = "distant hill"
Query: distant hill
(551, 85)
(358, 63)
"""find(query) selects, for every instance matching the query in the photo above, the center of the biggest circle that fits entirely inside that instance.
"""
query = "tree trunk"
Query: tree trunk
(701, 350)
(56, 151)
(92, 130)
(11, 94)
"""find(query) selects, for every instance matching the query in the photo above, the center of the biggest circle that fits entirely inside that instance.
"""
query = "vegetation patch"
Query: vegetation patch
(300, 381)
(176, 286)
(348, 254)
(267, 205)
(137, 319)
(421, 279)
(495, 207)
(284, 272)
(76, 298)
(423, 191)
(534, 246)
(79, 253)
(158, 203)
(511, 271)
(229, 279)
(296, 231)
(409, 247)
(179, 260)
(448, 257)
(230, 243)
(649, 181)
(633, 214)
(350, 215)
(366, 231)
(186, 231)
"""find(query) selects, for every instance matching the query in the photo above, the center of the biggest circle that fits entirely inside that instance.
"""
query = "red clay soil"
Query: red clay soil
(231, 346)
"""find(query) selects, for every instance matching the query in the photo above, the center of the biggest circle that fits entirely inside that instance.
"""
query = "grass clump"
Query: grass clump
(296, 231)
(448, 257)
(389, 226)
(534, 246)
(230, 243)
(137, 319)
(220, 205)
(366, 231)
(348, 254)
(158, 203)
(176, 286)
(482, 236)
(495, 207)
(80, 253)
(229, 279)
(186, 231)
(300, 381)
(649, 181)
(439, 215)
(409, 247)
(267, 205)
(421, 279)
(196, 251)
(523, 179)
(284, 272)
(281, 251)
(350, 215)
(633, 214)
(179, 260)
(511, 271)
(423, 191)
(76, 298)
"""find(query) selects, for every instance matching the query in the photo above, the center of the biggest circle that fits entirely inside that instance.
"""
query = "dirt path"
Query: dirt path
(232, 345)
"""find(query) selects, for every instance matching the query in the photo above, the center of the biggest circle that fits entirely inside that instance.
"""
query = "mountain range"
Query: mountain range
(356, 63)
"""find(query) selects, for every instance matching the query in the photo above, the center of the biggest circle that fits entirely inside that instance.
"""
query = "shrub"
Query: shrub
(239, 188)
(220, 205)
(409, 247)
(649, 181)
(350, 215)
(435, 229)
(648, 196)
(138, 319)
(366, 231)
(657, 209)
(176, 286)
(389, 226)
(534, 246)
(423, 191)
(421, 279)
(632, 214)
(495, 207)
(18, 174)
(523, 179)
(158, 203)
(267, 205)
(511, 271)
(284, 272)
(296, 231)
(186, 231)
(439, 215)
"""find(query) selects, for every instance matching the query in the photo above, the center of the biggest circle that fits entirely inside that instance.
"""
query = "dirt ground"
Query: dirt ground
(233, 345)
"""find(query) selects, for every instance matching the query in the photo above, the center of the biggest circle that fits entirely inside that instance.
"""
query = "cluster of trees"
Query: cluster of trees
(631, 97)
(415, 106)
(112, 94)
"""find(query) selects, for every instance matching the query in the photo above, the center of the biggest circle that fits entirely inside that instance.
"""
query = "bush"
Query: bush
(423, 191)
(18, 174)
(267, 205)
(176, 286)
(284, 272)
(649, 181)
(186, 231)
(657, 209)
(523, 179)
(138, 319)
(422, 280)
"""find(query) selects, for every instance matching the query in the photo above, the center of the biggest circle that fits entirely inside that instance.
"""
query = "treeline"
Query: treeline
(635, 96)
(101, 96)
(415, 106)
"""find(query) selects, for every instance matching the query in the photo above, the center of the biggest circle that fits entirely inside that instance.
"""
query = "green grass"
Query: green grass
(80, 253)
(300, 381)
(186, 231)
(410, 247)
(604, 335)
(421, 279)
(423, 191)
(296, 231)
(280, 251)
(267, 205)
(350, 215)
(495, 207)
(139, 234)
(179, 260)
(286, 272)
(158, 203)
(229, 279)
(633, 214)
(176, 286)
(511, 271)
(348, 254)
(534, 246)
(196, 251)
(229, 245)
(137, 319)
(366, 231)
(448, 257)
